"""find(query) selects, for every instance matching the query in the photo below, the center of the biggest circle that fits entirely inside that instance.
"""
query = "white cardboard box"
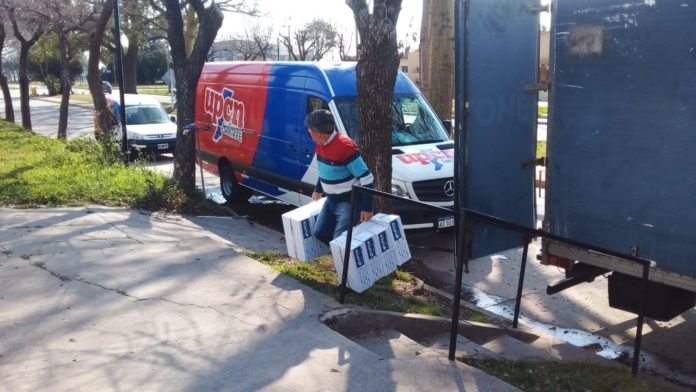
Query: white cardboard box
(395, 232)
(377, 248)
(384, 244)
(375, 264)
(298, 225)
(359, 276)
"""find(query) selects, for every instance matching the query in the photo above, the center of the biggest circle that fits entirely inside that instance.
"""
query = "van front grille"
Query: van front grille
(435, 190)
(161, 136)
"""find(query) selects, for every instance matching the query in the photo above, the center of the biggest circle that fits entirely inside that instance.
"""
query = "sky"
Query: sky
(296, 13)
(284, 14)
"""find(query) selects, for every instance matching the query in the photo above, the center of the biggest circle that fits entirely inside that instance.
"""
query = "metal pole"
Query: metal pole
(349, 238)
(641, 318)
(170, 72)
(119, 78)
(197, 146)
(461, 252)
(520, 283)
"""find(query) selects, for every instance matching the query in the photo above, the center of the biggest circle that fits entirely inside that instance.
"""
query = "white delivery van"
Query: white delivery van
(250, 117)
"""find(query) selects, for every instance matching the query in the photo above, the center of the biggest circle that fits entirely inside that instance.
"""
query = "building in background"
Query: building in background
(410, 65)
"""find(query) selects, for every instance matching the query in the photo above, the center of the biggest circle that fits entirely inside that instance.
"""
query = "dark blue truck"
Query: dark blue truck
(621, 147)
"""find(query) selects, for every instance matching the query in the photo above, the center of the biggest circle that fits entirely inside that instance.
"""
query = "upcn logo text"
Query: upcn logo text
(427, 157)
(227, 113)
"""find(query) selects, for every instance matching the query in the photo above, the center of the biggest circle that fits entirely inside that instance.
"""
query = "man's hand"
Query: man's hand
(365, 216)
(316, 196)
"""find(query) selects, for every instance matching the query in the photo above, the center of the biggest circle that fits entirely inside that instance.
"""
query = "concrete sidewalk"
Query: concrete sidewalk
(115, 299)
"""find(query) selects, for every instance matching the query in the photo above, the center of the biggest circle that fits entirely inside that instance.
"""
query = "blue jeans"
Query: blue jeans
(333, 220)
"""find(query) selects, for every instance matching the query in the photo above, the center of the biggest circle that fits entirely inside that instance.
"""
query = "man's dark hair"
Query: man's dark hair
(321, 121)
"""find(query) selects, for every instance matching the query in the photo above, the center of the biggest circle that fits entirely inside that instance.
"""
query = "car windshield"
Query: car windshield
(141, 114)
(413, 122)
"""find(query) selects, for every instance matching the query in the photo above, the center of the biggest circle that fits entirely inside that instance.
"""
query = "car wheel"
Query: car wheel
(231, 190)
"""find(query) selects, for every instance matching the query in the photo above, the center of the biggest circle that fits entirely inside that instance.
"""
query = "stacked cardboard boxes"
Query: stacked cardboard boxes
(298, 226)
(376, 249)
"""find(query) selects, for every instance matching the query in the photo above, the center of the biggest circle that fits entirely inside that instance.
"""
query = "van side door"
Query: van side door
(276, 158)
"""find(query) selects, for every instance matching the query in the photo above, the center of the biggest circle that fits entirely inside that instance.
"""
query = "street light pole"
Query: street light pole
(119, 78)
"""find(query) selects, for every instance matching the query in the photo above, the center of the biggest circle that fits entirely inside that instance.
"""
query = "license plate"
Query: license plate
(163, 146)
(445, 221)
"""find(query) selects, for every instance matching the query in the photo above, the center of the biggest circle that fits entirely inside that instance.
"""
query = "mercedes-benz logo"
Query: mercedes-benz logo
(449, 188)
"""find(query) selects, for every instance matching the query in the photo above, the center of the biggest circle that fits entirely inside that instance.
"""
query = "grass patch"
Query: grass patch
(564, 376)
(541, 148)
(158, 89)
(83, 98)
(398, 292)
(153, 89)
(37, 171)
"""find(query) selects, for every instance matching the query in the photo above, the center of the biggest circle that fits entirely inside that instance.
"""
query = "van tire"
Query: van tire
(230, 188)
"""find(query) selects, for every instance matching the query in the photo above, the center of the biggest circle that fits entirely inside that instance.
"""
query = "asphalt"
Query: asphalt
(99, 298)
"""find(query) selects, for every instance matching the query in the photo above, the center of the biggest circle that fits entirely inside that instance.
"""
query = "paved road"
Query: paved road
(580, 315)
(44, 114)
(44, 117)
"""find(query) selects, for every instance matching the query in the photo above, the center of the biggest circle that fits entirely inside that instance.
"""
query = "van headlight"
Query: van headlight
(398, 188)
(136, 135)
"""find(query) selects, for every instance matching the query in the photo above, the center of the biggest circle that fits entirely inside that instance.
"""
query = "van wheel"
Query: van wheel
(231, 190)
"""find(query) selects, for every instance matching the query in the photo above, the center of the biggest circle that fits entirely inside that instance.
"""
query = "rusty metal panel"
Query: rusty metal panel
(622, 137)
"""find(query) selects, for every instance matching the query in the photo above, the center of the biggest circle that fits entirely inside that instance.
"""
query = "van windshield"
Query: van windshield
(141, 114)
(413, 122)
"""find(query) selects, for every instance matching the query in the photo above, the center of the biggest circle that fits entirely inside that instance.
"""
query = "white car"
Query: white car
(148, 126)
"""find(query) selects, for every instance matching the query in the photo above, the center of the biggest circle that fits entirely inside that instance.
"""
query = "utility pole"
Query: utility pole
(119, 76)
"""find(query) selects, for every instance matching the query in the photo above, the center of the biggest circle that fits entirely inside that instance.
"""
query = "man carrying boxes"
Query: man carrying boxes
(310, 228)
(378, 244)
(340, 166)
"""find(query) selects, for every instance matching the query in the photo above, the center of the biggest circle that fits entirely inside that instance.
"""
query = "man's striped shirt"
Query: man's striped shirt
(341, 166)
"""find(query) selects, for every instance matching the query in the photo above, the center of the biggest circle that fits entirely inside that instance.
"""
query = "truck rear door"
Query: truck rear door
(496, 139)
(622, 142)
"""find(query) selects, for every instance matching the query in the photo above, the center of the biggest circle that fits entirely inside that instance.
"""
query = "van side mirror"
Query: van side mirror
(448, 126)
(172, 119)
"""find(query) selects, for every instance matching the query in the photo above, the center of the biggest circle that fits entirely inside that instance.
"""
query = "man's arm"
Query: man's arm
(318, 191)
(358, 168)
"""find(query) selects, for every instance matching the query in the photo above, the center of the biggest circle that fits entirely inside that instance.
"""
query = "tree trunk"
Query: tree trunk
(187, 70)
(9, 109)
(376, 75)
(130, 68)
(424, 48)
(24, 86)
(437, 55)
(184, 161)
(102, 124)
(190, 31)
(24, 46)
(65, 86)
